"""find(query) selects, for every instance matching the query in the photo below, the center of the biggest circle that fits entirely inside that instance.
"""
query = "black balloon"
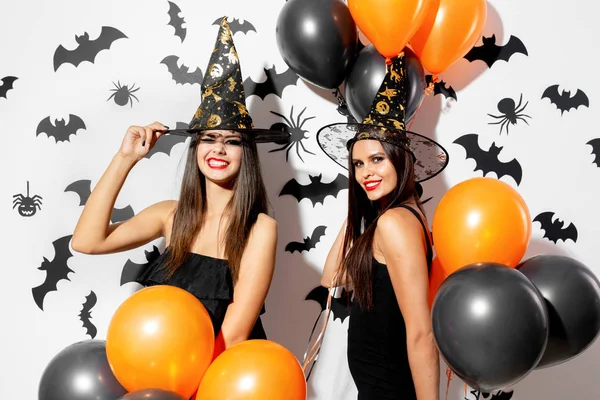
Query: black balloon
(367, 74)
(490, 324)
(572, 294)
(80, 372)
(152, 394)
(317, 39)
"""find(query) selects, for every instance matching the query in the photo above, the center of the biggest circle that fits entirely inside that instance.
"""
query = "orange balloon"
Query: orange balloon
(160, 337)
(449, 30)
(254, 370)
(436, 278)
(388, 24)
(481, 220)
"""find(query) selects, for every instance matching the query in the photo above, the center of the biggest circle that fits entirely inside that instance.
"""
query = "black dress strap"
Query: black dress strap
(425, 232)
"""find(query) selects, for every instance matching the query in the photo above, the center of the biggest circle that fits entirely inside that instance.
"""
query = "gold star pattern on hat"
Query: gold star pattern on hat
(223, 100)
(385, 122)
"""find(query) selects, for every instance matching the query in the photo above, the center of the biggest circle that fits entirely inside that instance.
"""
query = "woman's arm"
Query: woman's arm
(254, 279)
(94, 234)
(399, 236)
(333, 261)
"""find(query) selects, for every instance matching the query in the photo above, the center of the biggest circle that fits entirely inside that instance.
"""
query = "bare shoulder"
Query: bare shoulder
(399, 236)
(165, 209)
(161, 213)
(265, 225)
(167, 205)
(398, 222)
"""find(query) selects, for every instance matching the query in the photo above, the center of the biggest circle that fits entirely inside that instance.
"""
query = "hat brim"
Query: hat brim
(260, 135)
(430, 157)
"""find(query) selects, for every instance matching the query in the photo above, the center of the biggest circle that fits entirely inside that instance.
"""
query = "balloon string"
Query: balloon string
(449, 376)
(313, 351)
(415, 115)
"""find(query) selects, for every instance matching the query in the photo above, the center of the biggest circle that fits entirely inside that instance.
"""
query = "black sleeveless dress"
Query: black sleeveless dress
(377, 354)
(208, 279)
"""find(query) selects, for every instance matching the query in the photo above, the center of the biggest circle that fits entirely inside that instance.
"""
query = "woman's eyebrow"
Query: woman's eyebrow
(378, 154)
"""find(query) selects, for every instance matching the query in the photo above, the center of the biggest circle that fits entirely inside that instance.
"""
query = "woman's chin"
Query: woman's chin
(220, 179)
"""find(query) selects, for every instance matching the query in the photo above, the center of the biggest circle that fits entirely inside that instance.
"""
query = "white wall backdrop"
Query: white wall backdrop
(558, 169)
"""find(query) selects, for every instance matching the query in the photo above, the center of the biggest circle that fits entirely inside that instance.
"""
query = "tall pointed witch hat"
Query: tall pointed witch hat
(386, 122)
(223, 104)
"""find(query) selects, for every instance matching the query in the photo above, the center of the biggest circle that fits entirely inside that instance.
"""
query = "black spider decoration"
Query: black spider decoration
(123, 94)
(294, 128)
(27, 205)
(510, 113)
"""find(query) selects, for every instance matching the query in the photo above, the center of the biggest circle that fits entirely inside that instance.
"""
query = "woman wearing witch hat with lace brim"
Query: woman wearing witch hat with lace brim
(220, 241)
(384, 252)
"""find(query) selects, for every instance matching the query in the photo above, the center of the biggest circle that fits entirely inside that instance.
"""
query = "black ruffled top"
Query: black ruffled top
(207, 278)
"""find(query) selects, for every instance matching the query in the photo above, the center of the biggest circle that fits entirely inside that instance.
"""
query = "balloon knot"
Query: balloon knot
(388, 61)
(449, 376)
(429, 89)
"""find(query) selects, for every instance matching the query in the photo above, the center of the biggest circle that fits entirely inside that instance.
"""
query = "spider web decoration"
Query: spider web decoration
(294, 128)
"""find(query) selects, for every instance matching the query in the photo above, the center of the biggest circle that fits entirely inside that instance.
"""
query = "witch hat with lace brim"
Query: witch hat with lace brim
(386, 123)
(223, 104)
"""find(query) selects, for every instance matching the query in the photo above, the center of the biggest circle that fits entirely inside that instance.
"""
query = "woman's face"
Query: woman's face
(373, 169)
(219, 155)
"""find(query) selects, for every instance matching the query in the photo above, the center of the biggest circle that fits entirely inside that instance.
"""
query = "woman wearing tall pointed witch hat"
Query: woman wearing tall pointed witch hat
(384, 252)
(220, 241)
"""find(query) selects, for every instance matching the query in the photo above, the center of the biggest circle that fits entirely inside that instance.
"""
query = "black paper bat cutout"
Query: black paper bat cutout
(235, 26)
(487, 161)
(180, 75)
(498, 396)
(7, 84)
(85, 315)
(84, 189)
(419, 188)
(595, 143)
(316, 191)
(340, 306)
(310, 242)
(56, 270)
(274, 84)
(60, 130)
(441, 87)
(166, 142)
(490, 52)
(131, 271)
(87, 49)
(564, 101)
(553, 230)
(176, 21)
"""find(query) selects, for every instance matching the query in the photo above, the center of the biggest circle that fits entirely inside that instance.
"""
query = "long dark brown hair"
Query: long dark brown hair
(363, 214)
(248, 201)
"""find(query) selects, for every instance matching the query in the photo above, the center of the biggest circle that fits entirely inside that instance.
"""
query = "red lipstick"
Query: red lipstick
(217, 163)
(371, 185)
